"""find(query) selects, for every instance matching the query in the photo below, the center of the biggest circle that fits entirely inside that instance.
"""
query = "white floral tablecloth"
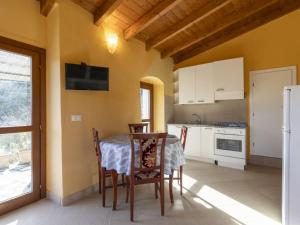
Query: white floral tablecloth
(116, 154)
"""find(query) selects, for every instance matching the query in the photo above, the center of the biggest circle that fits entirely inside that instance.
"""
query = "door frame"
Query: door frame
(251, 110)
(42, 91)
(149, 87)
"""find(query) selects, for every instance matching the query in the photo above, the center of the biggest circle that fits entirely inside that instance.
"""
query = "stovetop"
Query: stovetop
(230, 124)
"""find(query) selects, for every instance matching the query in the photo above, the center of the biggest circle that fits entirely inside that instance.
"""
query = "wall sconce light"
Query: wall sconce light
(112, 42)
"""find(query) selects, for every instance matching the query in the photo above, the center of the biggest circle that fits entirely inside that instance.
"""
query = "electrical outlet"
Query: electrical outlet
(76, 118)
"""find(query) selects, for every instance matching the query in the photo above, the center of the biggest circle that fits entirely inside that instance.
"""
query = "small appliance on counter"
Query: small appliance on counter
(230, 146)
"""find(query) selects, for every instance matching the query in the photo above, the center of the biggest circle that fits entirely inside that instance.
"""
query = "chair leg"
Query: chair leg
(131, 199)
(156, 190)
(103, 186)
(100, 173)
(114, 176)
(180, 177)
(123, 180)
(171, 186)
(127, 189)
(162, 197)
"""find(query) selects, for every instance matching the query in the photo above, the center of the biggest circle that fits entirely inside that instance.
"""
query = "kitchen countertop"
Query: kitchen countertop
(240, 125)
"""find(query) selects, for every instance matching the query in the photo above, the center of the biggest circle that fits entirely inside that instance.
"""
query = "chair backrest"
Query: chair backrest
(96, 142)
(138, 128)
(148, 144)
(183, 135)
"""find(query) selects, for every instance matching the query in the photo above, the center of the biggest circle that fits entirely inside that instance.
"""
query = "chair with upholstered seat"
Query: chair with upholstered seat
(183, 136)
(147, 171)
(102, 172)
(138, 128)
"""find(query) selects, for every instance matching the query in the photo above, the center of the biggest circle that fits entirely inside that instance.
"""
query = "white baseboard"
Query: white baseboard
(54, 198)
(79, 195)
(265, 161)
(195, 158)
(64, 201)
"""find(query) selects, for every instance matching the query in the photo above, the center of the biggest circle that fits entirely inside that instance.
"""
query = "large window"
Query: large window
(146, 96)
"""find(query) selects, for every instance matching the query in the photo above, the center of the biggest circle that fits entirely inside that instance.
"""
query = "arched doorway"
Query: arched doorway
(153, 103)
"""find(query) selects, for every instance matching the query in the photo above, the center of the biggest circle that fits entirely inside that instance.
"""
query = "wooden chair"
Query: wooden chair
(147, 172)
(102, 172)
(138, 128)
(183, 136)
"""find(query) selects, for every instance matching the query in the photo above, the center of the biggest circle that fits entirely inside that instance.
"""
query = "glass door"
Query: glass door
(20, 138)
(146, 96)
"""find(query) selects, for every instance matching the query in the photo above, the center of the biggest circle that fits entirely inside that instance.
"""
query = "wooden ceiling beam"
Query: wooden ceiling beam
(46, 6)
(156, 12)
(227, 21)
(105, 10)
(196, 16)
(241, 27)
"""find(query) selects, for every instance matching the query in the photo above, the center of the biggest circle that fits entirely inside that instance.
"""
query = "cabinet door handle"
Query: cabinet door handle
(190, 101)
(201, 101)
(220, 89)
(208, 128)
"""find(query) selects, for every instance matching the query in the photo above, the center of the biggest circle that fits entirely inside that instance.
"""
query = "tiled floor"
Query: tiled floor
(215, 196)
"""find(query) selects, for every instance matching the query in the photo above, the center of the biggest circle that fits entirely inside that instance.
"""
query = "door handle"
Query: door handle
(220, 89)
(201, 101)
(190, 101)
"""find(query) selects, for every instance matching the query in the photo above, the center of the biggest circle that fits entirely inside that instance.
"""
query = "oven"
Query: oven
(230, 142)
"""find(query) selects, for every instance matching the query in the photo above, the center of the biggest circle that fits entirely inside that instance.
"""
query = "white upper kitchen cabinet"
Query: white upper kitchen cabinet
(186, 84)
(196, 84)
(207, 143)
(204, 90)
(229, 79)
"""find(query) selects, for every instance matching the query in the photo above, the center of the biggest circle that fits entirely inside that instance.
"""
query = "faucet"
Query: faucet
(198, 120)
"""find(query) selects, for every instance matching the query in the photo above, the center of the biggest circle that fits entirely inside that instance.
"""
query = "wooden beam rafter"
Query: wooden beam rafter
(105, 10)
(249, 23)
(226, 22)
(156, 12)
(46, 6)
(196, 16)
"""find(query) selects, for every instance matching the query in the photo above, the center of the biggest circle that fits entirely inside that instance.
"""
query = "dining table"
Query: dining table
(116, 156)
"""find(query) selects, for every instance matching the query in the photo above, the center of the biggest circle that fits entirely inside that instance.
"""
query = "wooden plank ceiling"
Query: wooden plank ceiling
(184, 28)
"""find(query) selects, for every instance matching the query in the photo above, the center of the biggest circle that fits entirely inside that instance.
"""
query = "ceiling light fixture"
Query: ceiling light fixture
(112, 42)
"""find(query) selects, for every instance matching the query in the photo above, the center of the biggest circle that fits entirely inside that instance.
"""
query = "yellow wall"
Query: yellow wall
(110, 112)
(22, 21)
(276, 44)
(69, 35)
(53, 112)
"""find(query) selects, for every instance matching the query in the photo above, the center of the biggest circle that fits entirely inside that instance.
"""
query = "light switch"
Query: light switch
(76, 118)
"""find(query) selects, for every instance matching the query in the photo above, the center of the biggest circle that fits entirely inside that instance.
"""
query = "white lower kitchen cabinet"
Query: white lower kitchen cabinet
(199, 142)
(174, 129)
(207, 143)
(193, 142)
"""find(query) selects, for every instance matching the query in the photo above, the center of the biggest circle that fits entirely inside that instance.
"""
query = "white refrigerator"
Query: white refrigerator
(291, 156)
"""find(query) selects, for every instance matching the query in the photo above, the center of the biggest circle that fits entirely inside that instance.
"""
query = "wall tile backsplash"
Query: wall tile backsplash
(222, 111)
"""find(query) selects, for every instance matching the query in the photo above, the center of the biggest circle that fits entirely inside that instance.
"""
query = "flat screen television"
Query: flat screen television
(85, 77)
